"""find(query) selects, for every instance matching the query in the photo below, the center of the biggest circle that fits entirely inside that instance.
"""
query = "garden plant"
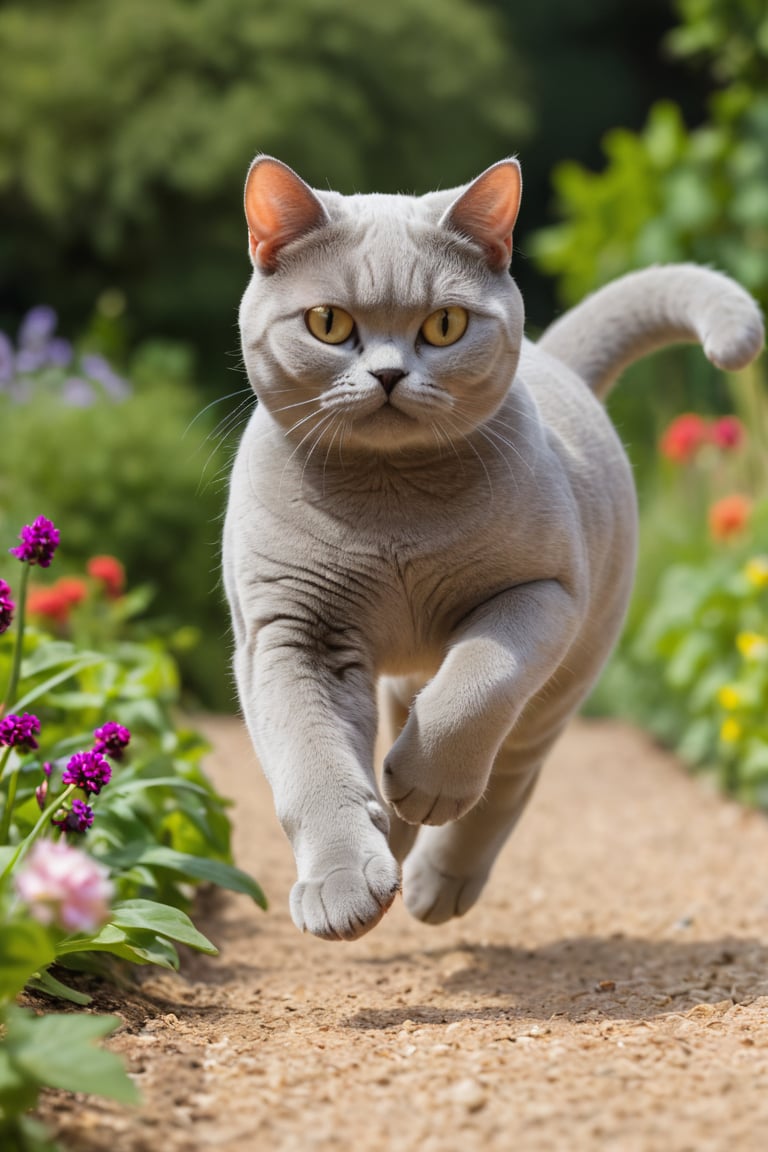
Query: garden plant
(107, 822)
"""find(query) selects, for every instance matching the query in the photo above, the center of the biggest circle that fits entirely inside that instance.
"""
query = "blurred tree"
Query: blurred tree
(591, 67)
(126, 129)
(668, 193)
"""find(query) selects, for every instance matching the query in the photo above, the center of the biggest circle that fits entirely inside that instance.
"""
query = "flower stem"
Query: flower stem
(13, 683)
(13, 781)
(29, 840)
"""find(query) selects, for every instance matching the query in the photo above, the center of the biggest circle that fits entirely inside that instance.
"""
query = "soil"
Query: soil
(610, 990)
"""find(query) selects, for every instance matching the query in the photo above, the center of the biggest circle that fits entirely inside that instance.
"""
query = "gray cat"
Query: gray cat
(431, 525)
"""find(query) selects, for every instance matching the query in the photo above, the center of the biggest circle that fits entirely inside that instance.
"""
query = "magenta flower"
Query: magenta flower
(39, 541)
(77, 818)
(7, 607)
(41, 792)
(111, 740)
(61, 885)
(87, 770)
(19, 732)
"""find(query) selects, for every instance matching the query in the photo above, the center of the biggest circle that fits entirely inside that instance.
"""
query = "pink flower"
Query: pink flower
(727, 433)
(62, 885)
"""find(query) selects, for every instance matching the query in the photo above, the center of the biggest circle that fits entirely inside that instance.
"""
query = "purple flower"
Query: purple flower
(30, 360)
(39, 541)
(20, 731)
(59, 352)
(87, 770)
(78, 393)
(111, 739)
(77, 818)
(37, 327)
(99, 369)
(6, 607)
(6, 359)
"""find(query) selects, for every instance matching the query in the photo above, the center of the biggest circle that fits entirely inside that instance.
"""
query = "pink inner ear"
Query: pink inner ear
(487, 211)
(279, 208)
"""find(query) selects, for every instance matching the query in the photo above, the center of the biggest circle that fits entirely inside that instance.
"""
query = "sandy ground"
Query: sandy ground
(609, 992)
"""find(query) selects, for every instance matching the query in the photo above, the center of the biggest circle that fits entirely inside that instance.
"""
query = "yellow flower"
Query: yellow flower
(730, 731)
(752, 645)
(756, 571)
(729, 697)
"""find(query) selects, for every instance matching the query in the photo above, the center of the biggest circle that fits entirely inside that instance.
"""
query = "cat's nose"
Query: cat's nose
(388, 377)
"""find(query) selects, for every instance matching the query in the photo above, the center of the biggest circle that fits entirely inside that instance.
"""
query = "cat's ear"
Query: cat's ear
(279, 208)
(486, 211)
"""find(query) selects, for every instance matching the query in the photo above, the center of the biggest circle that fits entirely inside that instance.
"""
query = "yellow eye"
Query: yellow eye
(330, 324)
(445, 326)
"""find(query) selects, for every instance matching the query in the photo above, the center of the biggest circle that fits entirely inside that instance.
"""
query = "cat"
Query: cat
(431, 525)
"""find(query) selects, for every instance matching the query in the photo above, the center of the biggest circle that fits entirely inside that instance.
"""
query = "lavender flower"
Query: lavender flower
(77, 818)
(111, 740)
(87, 770)
(62, 885)
(29, 360)
(20, 731)
(78, 393)
(7, 607)
(39, 541)
(59, 352)
(99, 369)
(6, 360)
(37, 328)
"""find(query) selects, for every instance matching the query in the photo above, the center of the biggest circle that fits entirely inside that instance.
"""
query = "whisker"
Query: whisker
(213, 403)
(474, 450)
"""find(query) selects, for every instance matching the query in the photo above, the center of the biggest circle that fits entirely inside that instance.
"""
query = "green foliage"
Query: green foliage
(126, 129)
(667, 193)
(158, 830)
(136, 479)
(692, 665)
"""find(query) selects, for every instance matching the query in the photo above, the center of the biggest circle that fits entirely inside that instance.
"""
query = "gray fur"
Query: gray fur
(453, 564)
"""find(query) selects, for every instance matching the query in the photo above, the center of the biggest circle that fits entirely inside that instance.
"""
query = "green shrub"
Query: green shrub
(141, 477)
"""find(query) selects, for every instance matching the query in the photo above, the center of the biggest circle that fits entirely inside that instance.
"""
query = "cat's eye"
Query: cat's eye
(445, 326)
(330, 324)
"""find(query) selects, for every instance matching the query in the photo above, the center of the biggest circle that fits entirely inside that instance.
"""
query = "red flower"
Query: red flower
(727, 433)
(56, 602)
(684, 437)
(109, 572)
(729, 517)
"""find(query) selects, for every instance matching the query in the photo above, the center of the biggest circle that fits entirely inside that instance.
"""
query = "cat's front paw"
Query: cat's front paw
(423, 797)
(347, 900)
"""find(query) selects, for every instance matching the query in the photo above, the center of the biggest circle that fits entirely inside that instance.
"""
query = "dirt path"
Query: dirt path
(610, 991)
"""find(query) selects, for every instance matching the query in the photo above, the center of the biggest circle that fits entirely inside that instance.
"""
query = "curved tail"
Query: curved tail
(647, 310)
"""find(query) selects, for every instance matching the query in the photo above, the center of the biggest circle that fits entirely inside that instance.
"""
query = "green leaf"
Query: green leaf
(199, 868)
(50, 986)
(16, 1093)
(59, 1051)
(51, 654)
(130, 786)
(25, 949)
(162, 919)
(47, 685)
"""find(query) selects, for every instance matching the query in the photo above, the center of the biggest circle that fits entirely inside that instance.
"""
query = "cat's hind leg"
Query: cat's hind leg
(448, 868)
(395, 696)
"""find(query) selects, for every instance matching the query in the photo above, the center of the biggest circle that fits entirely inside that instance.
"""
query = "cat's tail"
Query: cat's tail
(647, 310)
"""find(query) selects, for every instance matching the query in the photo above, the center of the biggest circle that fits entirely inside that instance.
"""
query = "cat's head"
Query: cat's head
(380, 322)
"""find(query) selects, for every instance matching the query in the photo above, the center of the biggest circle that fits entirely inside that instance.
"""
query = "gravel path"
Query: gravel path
(609, 992)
